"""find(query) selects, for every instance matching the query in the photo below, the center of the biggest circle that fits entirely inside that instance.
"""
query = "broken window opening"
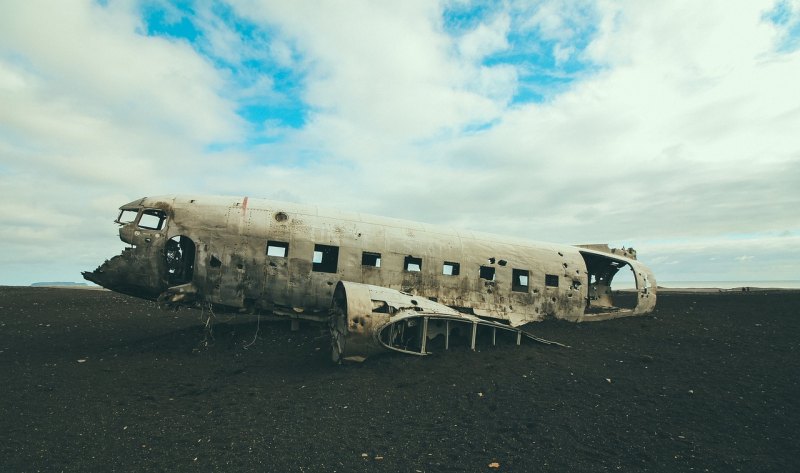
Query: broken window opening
(214, 262)
(179, 252)
(326, 258)
(487, 272)
(551, 280)
(412, 264)
(371, 259)
(152, 219)
(451, 269)
(519, 281)
(277, 248)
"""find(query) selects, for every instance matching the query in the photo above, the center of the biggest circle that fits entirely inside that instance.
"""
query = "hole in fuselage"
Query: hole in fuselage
(602, 295)
(179, 252)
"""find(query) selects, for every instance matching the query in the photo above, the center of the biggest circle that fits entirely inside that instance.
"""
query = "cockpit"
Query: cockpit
(148, 219)
(152, 261)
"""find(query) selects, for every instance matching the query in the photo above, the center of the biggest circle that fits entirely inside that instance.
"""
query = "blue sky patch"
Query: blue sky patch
(545, 65)
(459, 18)
(246, 60)
(159, 23)
(787, 20)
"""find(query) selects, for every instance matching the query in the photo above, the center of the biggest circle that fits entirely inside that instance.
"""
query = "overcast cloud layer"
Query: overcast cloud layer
(672, 127)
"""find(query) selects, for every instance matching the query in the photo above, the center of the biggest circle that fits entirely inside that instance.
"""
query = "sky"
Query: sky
(670, 127)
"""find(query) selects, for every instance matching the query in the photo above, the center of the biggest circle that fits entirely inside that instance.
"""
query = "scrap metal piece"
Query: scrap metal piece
(362, 326)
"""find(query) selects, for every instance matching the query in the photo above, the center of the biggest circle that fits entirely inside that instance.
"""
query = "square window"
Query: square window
(127, 216)
(519, 281)
(371, 259)
(551, 280)
(326, 259)
(152, 219)
(277, 248)
(487, 272)
(412, 264)
(451, 269)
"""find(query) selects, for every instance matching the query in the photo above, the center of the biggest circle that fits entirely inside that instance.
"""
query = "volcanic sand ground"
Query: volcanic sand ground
(96, 381)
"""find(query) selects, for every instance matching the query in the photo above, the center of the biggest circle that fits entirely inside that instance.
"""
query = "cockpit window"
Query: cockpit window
(152, 219)
(127, 216)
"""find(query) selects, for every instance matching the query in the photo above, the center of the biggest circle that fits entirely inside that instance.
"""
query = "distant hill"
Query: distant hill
(58, 283)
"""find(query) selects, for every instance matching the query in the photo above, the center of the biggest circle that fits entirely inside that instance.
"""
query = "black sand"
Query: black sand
(95, 381)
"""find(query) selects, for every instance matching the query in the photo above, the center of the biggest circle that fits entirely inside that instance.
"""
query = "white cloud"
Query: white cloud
(387, 68)
(686, 133)
(560, 20)
(93, 58)
(485, 39)
(93, 111)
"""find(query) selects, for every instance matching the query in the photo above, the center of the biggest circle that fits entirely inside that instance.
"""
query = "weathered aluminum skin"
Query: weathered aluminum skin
(227, 238)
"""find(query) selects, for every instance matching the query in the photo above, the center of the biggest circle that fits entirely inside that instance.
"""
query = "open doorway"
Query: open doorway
(604, 297)
(179, 252)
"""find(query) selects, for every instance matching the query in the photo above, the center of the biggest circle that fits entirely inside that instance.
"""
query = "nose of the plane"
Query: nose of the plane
(118, 274)
(103, 278)
(92, 277)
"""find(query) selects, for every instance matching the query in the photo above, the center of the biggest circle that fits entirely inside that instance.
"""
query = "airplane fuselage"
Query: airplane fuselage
(254, 255)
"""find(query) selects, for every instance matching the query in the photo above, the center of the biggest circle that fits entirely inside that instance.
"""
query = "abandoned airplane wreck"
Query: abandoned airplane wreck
(380, 283)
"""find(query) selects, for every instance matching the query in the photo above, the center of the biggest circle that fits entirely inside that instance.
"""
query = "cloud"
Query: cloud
(641, 124)
(485, 39)
(93, 111)
(387, 69)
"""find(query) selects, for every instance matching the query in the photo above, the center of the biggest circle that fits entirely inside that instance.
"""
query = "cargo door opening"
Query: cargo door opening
(603, 296)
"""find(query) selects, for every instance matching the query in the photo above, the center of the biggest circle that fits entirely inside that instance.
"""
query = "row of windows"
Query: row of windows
(326, 260)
